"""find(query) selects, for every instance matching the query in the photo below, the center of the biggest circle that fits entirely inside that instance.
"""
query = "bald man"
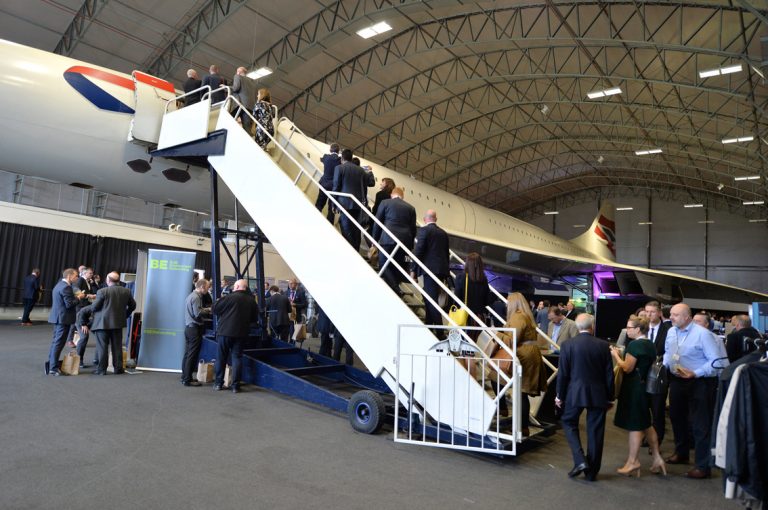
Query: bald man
(432, 250)
(690, 353)
(113, 305)
(244, 89)
(235, 313)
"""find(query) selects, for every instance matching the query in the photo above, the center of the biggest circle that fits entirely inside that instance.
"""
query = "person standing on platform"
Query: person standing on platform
(62, 316)
(30, 295)
(214, 80)
(399, 217)
(194, 320)
(235, 313)
(692, 352)
(585, 382)
(330, 161)
(193, 83)
(353, 180)
(298, 298)
(432, 250)
(111, 310)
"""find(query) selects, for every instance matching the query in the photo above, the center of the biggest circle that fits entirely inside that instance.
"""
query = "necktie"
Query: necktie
(653, 334)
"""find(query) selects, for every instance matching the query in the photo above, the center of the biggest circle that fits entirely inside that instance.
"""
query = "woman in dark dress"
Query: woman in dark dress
(633, 412)
(474, 284)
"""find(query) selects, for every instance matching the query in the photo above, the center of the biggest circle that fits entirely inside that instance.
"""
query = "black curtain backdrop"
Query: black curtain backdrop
(24, 248)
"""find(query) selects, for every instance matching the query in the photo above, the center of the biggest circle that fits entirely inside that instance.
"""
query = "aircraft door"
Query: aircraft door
(152, 95)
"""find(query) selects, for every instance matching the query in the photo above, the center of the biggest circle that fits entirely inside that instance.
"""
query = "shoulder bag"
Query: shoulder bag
(460, 316)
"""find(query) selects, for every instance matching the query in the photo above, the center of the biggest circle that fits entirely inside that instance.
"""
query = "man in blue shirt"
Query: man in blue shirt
(691, 354)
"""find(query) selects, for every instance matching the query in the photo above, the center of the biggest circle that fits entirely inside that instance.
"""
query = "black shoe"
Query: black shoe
(119, 372)
(190, 383)
(578, 469)
(55, 372)
(235, 389)
(47, 368)
(217, 387)
(83, 365)
(98, 372)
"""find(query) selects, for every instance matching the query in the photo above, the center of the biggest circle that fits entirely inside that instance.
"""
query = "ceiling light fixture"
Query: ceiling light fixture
(604, 93)
(692, 206)
(758, 221)
(648, 151)
(736, 140)
(645, 223)
(747, 178)
(625, 208)
(600, 159)
(706, 222)
(720, 71)
(378, 28)
(259, 73)
(579, 226)
(549, 213)
(720, 187)
(755, 202)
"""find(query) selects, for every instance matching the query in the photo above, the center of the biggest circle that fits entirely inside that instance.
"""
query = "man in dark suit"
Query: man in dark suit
(399, 217)
(62, 316)
(214, 80)
(87, 286)
(245, 89)
(330, 162)
(585, 381)
(298, 298)
(30, 295)
(350, 178)
(657, 333)
(432, 250)
(737, 344)
(278, 311)
(235, 313)
(570, 311)
(113, 305)
(193, 83)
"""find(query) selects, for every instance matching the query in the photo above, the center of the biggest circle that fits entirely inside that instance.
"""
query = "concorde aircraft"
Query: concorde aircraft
(75, 123)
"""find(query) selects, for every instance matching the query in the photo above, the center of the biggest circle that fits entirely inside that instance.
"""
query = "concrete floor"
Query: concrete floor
(144, 441)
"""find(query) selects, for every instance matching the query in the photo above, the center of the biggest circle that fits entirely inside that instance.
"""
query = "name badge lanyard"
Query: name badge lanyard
(676, 356)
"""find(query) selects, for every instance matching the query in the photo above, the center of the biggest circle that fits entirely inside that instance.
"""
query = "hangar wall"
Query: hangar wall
(731, 250)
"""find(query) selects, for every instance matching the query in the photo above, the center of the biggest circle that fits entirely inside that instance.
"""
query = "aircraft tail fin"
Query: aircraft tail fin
(600, 237)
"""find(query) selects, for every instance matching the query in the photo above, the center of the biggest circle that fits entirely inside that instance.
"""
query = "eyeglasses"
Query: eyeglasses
(633, 327)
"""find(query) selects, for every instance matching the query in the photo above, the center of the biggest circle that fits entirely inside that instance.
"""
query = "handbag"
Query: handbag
(460, 316)
(657, 380)
(70, 365)
(618, 378)
(205, 372)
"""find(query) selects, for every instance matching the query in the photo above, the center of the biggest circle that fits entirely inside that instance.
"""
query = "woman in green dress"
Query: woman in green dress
(633, 412)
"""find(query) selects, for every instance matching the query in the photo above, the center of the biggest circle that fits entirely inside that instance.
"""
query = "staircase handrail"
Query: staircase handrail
(177, 98)
(389, 256)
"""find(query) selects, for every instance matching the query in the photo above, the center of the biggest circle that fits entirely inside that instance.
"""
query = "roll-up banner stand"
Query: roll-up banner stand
(169, 282)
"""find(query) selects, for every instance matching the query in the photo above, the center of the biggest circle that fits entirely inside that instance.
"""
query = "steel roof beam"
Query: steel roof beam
(83, 19)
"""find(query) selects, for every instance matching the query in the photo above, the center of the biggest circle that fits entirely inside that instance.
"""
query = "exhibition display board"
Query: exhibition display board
(169, 282)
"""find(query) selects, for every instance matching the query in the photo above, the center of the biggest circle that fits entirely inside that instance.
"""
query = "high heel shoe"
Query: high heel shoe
(629, 471)
(659, 468)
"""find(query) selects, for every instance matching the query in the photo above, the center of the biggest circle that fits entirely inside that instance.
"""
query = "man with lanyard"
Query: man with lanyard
(694, 358)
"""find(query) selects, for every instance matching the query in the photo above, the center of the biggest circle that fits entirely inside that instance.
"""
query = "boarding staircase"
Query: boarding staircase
(278, 190)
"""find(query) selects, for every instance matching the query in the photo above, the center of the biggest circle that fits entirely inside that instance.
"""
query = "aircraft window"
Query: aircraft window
(411, 192)
(442, 203)
(419, 194)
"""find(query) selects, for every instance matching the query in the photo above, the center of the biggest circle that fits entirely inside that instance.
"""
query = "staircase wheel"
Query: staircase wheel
(366, 412)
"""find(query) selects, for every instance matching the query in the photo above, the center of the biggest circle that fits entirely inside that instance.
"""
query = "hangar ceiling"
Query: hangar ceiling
(488, 100)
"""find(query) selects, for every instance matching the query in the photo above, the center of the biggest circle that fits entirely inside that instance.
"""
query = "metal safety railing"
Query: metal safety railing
(191, 92)
(503, 430)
